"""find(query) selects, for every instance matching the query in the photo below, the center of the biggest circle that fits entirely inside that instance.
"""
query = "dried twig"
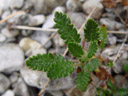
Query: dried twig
(120, 49)
(42, 90)
(10, 16)
(55, 30)
(116, 13)
(53, 34)
(117, 32)
(34, 28)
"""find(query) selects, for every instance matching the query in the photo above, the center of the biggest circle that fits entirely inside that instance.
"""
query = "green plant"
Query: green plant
(57, 66)
(112, 90)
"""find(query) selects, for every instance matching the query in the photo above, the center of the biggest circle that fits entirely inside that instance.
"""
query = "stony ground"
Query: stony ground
(17, 44)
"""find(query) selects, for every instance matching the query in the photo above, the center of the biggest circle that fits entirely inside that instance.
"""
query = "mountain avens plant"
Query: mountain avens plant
(57, 66)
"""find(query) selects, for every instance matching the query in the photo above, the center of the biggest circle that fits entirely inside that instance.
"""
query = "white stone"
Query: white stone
(5, 4)
(9, 93)
(111, 24)
(73, 5)
(38, 79)
(42, 37)
(35, 52)
(5, 14)
(31, 47)
(49, 23)
(58, 41)
(9, 34)
(2, 38)
(28, 43)
(89, 5)
(4, 83)
(77, 22)
(11, 57)
(16, 3)
(36, 20)
(33, 78)
(112, 39)
(20, 88)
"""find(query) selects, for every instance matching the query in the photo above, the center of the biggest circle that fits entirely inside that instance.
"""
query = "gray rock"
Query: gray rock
(49, 23)
(4, 83)
(26, 32)
(14, 77)
(110, 52)
(4, 5)
(42, 38)
(58, 41)
(111, 24)
(38, 79)
(5, 14)
(112, 39)
(11, 57)
(1, 12)
(27, 44)
(31, 47)
(33, 78)
(20, 19)
(90, 4)
(77, 21)
(118, 79)
(44, 6)
(118, 66)
(73, 5)
(9, 93)
(36, 20)
(21, 88)
(16, 3)
(8, 33)
(2, 38)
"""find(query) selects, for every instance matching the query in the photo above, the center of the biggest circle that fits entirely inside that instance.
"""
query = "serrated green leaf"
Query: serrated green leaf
(92, 65)
(41, 62)
(103, 36)
(110, 64)
(82, 80)
(91, 30)
(111, 85)
(126, 67)
(66, 29)
(92, 49)
(75, 49)
(61, 68)
(55, 65)
(122, 91)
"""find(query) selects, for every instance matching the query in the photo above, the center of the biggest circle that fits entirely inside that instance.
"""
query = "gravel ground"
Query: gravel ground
(18, 44)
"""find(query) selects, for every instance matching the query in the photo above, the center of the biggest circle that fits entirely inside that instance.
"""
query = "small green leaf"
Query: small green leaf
(41, 62)
(82, 80)
(55, 65)
(75, 49)
(103, 36)
(66, 29)
(92, 49)
(111, 85)
(110, 64)
(126, 67)
(92, 65)
(99, 91)
(61, 68)
(91, 30)
(122, 92)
